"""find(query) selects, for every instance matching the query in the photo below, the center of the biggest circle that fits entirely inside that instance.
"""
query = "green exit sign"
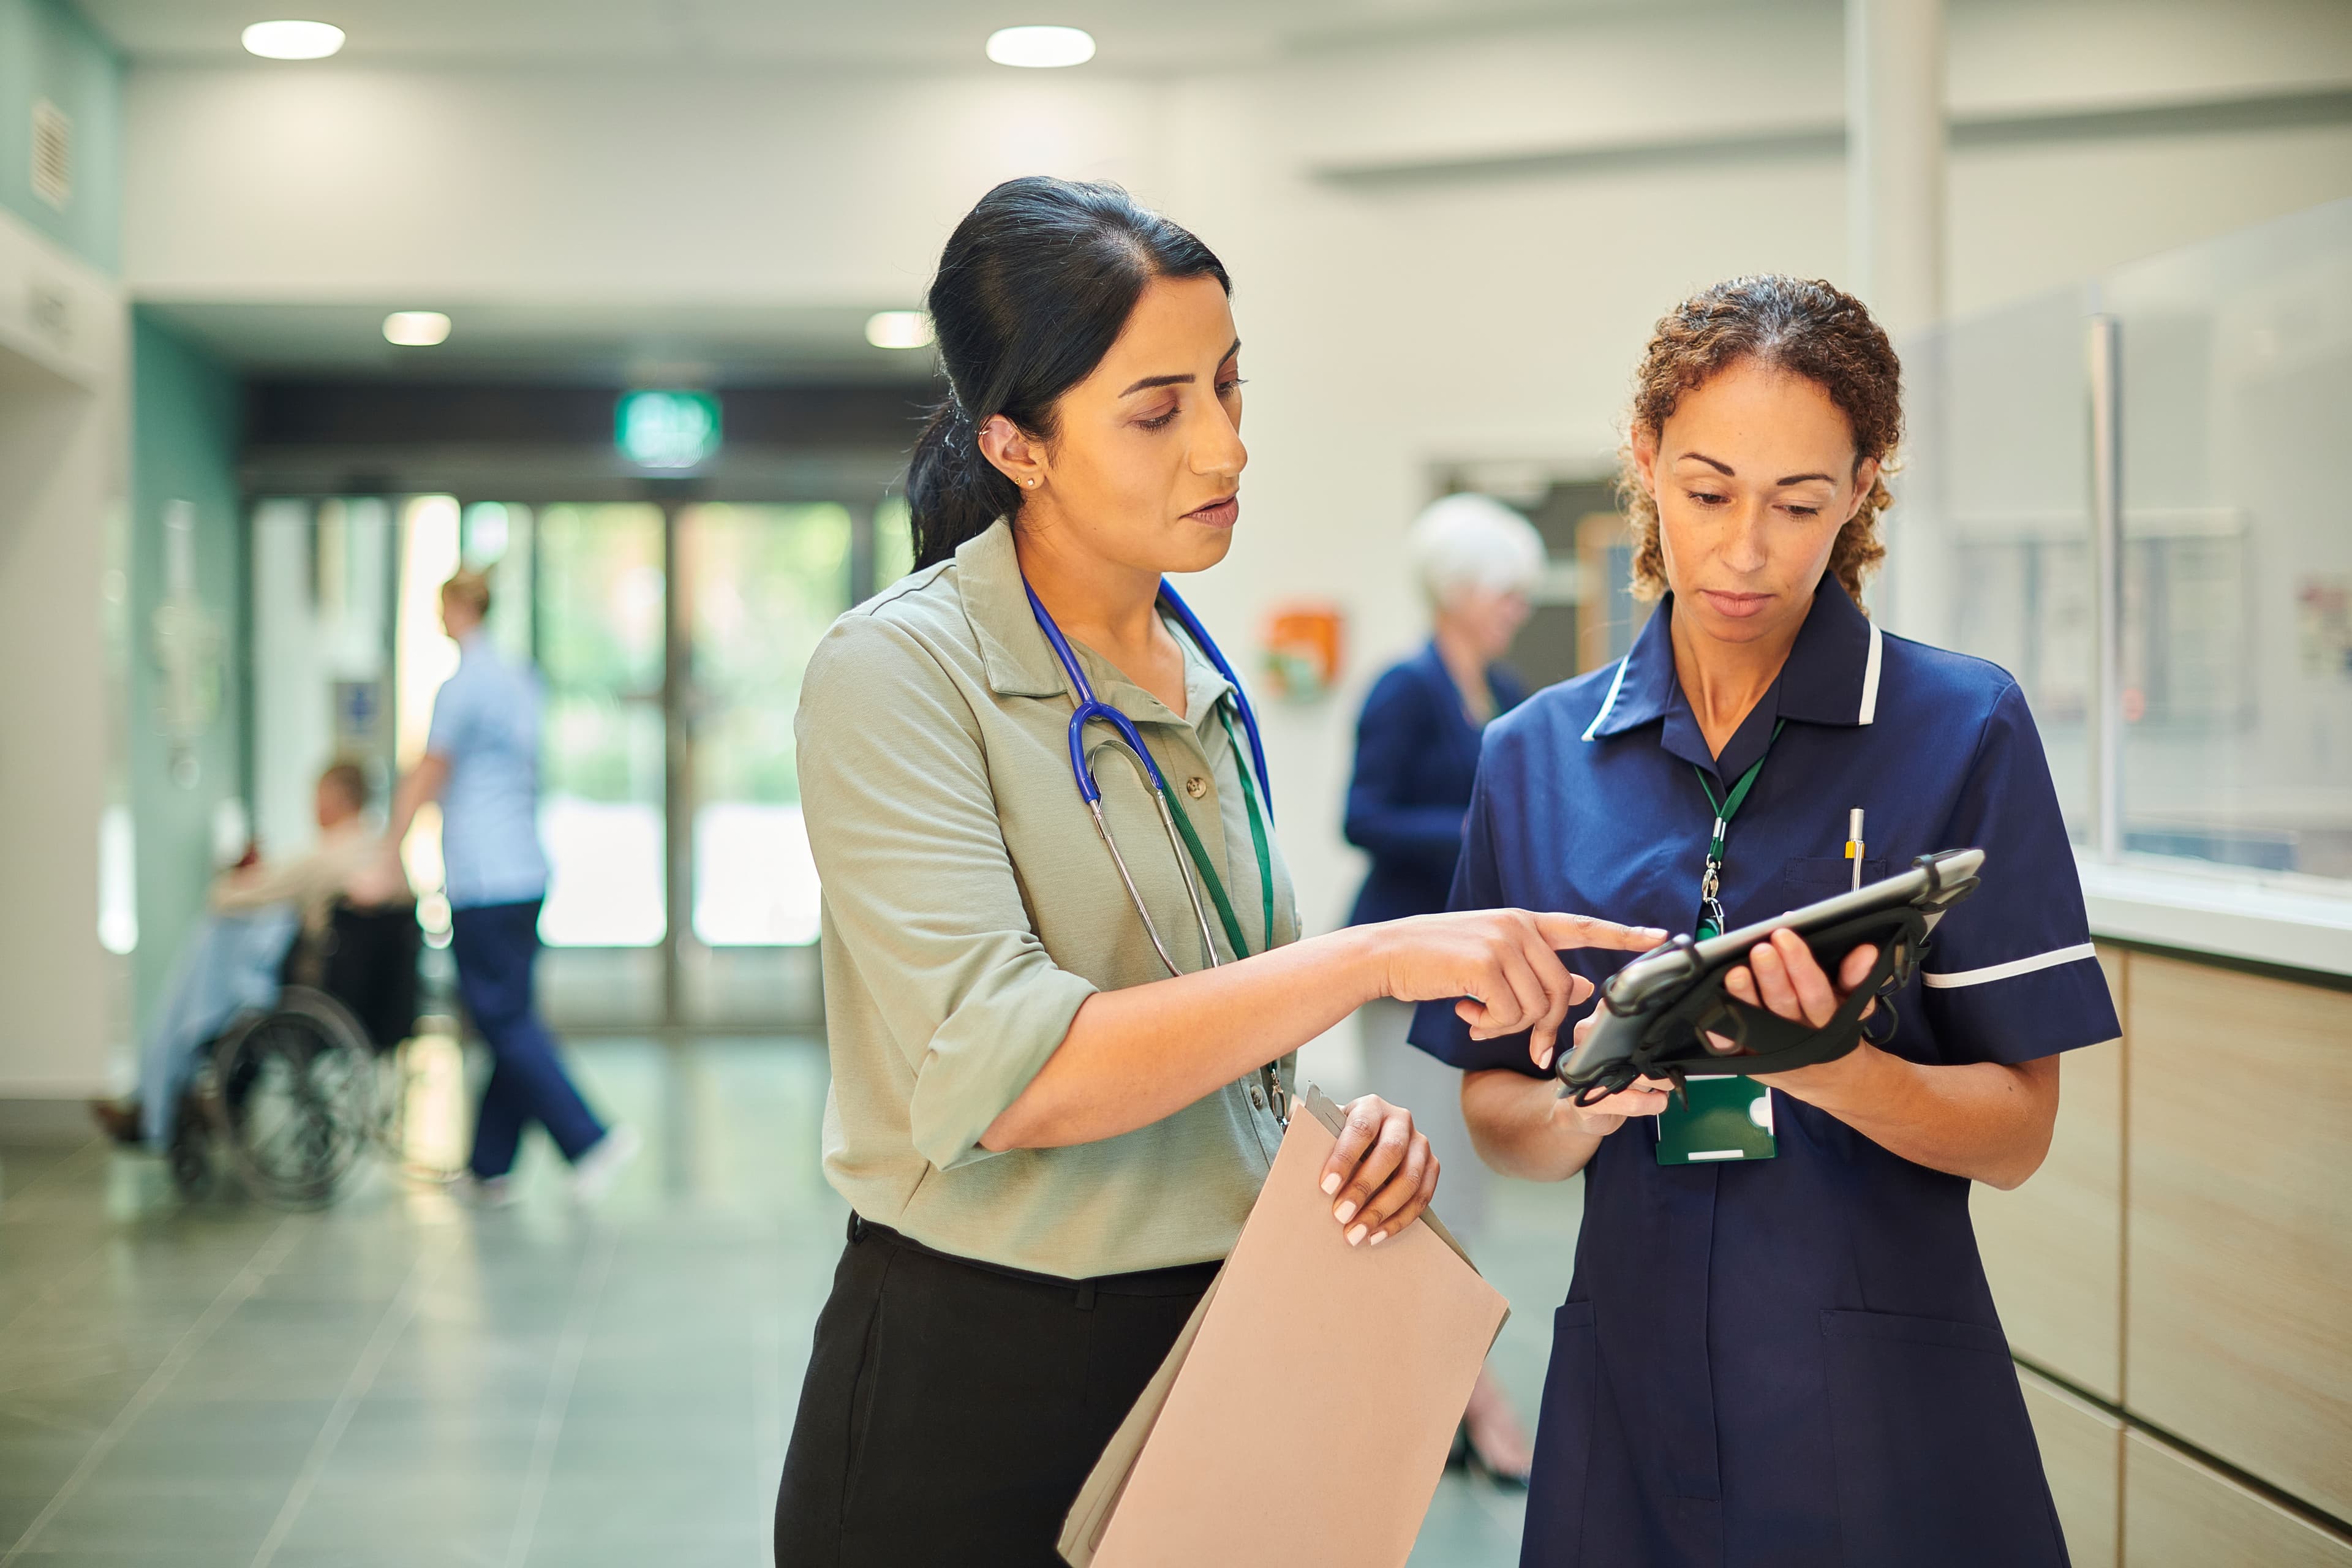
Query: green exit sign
(666, 429)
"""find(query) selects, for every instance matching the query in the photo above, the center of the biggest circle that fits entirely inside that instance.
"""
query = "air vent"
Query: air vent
(52, 154)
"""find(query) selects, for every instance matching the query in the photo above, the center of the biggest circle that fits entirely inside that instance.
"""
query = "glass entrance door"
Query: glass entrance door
(758, 585)
(763, 584)
(601, 615)
(669, 640)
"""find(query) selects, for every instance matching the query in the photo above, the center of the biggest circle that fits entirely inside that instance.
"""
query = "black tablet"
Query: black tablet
(1655, 1010)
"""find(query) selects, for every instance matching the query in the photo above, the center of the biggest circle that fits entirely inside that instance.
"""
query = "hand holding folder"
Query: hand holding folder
(1304, 1413)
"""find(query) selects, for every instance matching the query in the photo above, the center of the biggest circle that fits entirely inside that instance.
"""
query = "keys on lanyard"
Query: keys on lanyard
(1711, 921)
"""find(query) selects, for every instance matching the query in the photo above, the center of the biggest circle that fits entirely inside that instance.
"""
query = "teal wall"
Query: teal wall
(187, 413)
(47, 49)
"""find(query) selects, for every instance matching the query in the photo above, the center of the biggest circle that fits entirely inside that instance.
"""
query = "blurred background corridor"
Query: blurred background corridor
(618, 303)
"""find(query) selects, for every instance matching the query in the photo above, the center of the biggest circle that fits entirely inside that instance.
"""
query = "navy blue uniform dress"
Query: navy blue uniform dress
(1416, 757)
(1791, 1361)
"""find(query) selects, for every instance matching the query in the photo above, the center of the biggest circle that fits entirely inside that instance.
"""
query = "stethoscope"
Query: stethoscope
(1090, 708)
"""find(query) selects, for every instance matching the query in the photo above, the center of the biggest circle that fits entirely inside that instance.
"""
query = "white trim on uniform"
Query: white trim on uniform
(2010, 970)
(1609, 701)
(1870, 675)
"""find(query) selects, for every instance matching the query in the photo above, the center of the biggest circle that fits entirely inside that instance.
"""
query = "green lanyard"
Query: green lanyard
(1710, 908)
(1269, 1076)
(1216, 884)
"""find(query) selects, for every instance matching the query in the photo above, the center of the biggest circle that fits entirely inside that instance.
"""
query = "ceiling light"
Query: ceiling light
(416, 328)
(898, 330)
(1041, 46)
(293, 41)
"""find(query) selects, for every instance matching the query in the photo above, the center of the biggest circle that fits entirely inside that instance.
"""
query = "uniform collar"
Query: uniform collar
(1830, 677)
(1021, 662)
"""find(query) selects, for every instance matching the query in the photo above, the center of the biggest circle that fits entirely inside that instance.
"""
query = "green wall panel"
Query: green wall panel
(187, 413)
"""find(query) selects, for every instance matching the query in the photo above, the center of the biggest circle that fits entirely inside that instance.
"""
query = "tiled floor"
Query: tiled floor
(398, 1381)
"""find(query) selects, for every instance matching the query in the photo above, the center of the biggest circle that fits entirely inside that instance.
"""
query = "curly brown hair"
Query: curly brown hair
(1806, 328)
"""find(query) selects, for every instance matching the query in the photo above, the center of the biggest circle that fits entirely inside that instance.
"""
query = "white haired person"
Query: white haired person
(1416, 756)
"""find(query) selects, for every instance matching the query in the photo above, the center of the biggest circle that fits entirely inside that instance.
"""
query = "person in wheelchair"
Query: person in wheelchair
(240, 951)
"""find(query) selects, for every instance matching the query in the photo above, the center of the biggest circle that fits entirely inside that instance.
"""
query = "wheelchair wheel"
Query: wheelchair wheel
(297, 1095)
(189, 1156)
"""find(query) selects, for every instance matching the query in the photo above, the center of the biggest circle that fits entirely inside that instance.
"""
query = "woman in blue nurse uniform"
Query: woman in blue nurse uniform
(1789, 1357)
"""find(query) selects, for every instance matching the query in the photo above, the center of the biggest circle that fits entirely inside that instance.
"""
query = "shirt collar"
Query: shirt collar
(1830, 677)
(1021, 662)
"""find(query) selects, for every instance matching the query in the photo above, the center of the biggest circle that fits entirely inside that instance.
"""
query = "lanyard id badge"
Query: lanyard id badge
(1719, 1116)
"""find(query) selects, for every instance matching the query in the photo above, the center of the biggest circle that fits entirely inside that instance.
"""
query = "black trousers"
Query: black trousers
(953, 1409)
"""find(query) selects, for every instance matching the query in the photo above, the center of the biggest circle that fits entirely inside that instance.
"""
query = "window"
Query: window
(2222, 739)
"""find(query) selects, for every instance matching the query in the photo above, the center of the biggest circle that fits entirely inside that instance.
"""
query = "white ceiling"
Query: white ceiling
(1193, 35)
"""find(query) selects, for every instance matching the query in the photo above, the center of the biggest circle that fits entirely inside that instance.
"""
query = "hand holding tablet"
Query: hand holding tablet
(1657, 1011)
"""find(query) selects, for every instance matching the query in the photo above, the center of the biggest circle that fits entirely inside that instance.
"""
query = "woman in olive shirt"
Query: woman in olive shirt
(1047, 1141)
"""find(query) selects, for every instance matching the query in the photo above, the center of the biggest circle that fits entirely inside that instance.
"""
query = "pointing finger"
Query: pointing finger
(1562, 931)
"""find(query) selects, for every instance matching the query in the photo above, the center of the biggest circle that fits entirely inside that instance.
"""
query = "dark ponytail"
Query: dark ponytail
(1035, 285)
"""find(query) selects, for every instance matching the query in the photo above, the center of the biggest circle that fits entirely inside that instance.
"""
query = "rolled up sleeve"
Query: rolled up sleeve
(919, 886)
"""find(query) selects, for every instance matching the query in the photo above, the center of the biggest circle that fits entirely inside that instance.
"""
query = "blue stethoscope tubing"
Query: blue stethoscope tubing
(1091, 708)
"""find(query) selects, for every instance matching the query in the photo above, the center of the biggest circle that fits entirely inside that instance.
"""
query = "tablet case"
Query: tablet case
(1661, 1032)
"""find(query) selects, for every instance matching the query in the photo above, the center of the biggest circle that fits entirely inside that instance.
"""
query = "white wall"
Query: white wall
(1390, 325)
(62, 482)
(713, 187)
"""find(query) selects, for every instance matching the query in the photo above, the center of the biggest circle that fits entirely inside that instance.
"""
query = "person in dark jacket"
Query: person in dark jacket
(1416, 757)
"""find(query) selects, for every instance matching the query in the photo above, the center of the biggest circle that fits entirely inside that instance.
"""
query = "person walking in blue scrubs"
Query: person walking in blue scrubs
(481, 762)
(1787, 1354)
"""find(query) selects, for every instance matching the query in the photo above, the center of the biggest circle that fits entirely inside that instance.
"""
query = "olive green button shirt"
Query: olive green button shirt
(970, 910)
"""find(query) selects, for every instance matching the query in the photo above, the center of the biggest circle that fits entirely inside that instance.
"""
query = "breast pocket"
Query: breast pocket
(1935, 1458)
(1814, 877)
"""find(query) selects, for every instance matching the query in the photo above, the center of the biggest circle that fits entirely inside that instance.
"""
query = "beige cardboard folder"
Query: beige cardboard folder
(1305, 1412)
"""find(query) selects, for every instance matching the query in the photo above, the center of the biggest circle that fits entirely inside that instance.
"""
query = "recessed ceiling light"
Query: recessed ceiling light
(293, 41)
(1041, 46)
(416, 328)
(898, 330)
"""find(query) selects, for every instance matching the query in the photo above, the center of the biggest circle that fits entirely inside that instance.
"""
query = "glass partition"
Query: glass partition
(1989, 547)
(2235, 407)
(2229, 607)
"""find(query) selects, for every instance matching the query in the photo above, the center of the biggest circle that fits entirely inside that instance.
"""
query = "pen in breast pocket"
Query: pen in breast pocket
(1853, 844)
